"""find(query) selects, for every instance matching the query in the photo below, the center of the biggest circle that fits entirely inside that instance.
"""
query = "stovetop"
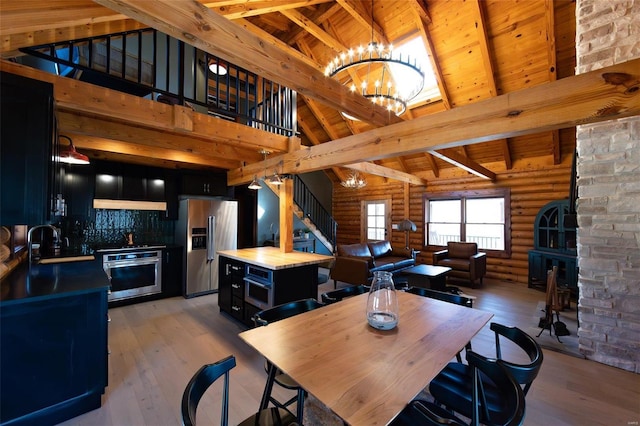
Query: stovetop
(134, 247)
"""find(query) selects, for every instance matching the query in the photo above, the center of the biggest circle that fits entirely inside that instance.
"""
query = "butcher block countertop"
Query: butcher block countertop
(273, 258)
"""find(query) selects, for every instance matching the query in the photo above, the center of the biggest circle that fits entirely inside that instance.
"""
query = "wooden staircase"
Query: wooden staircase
(306, 220)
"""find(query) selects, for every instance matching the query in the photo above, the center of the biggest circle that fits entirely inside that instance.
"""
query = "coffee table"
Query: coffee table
(427, 276)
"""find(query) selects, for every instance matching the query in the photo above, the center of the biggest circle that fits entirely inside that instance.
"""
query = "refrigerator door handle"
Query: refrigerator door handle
(211, 230)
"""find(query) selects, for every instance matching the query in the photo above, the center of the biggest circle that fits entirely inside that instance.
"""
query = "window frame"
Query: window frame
(463, 196)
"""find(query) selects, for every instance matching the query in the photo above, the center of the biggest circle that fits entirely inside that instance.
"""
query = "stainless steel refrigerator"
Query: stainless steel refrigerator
(204, 226)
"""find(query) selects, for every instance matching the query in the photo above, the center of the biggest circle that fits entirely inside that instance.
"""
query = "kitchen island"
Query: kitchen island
(53, 345)
(258, 278)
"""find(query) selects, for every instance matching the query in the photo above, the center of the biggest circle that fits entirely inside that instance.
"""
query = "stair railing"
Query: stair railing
(313, 210)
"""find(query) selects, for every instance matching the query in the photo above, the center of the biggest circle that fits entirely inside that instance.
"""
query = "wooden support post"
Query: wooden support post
(286, 216)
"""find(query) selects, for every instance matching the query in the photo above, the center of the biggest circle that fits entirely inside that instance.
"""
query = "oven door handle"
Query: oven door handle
(211, 237)
(259, 284)
(124, 264)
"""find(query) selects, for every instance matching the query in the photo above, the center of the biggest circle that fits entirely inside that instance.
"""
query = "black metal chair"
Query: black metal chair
(508, 409)
(274, 374)
(441, 295)
(342, 293)
(204, 378)
(452, 387)
(445, 297)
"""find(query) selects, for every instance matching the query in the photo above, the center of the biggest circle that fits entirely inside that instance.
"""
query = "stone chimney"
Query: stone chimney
(608, 32)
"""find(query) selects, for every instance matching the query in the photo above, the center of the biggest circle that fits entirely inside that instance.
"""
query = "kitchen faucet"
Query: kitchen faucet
(56, 235)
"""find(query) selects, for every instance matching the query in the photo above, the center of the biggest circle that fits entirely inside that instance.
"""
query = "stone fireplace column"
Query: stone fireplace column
(608, 168)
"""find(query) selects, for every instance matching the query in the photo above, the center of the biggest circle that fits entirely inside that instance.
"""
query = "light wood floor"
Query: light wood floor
(157, 346)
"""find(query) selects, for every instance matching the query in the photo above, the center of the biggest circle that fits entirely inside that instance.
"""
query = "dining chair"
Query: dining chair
(274, 374)
(205, 377)
(508, 409)
(453, 388)
(445, 297)
(442, 295)
(342, 293)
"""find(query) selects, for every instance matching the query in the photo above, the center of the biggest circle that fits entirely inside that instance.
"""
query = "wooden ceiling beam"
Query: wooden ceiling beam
(309, 26)
(420, 8)
(229, 155)
(322, 119)
(319, 16)
(387, 172)
(146, 152)
(357, 12)
(31, 16)
(246, 8)
(12, 42)
(200, 27)
(435, 66)
(608, 93)
(137, 114)
(314, 140)
(464, 163)
(432, 164)
(549, 13)
(487, 56)
(377, 170)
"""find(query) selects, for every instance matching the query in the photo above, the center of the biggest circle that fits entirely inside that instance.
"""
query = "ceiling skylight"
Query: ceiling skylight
(418, 53)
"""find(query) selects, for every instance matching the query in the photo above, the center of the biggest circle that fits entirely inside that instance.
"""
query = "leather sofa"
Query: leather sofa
(464, 260)
(356, 263)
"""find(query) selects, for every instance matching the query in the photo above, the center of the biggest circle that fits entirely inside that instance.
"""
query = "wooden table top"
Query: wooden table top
(273, 258)
(367, 376)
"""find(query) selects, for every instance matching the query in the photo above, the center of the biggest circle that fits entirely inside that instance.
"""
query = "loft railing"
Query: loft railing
(151, 64)
(313, 210)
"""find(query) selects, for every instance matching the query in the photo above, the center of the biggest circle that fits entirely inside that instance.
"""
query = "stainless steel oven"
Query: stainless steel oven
(133, 273)
(258, 286)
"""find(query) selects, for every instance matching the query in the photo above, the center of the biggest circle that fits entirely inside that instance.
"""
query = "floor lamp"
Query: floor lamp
(407, 226)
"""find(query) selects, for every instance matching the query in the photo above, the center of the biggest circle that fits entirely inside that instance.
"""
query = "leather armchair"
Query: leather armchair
(464, 260)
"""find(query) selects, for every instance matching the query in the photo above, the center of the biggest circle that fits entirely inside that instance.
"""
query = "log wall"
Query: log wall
(530, 190)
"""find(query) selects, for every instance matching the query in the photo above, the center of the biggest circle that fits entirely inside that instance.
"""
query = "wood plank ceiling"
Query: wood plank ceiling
(478, 49)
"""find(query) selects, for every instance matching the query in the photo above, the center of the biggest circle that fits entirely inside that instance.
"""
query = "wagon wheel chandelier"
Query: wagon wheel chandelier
(380, 65)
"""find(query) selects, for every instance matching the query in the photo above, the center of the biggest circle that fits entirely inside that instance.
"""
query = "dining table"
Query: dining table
(364, 375)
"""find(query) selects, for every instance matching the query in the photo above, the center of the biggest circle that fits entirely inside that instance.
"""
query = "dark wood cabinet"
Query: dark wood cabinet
(172, 271)
(555, 245)
(289, 284)
(231, 288)
(115, 181)
(205, 184)
(134, 186)
(79, 187)
(26, 140)
(54, 357)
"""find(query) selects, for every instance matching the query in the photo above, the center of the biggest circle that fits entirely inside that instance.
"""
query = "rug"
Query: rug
(568, 344)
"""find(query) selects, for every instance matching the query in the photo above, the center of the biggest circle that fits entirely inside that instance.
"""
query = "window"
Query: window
(375, 219)
(480, 217)
(416, 50)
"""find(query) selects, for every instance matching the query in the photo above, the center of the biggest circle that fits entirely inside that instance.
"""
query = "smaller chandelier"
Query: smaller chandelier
(354, 181)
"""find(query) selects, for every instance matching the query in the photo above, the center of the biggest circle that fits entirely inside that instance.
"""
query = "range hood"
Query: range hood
(129, 205)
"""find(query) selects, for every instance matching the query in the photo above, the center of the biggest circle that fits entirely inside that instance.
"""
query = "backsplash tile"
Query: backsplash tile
(110, 227)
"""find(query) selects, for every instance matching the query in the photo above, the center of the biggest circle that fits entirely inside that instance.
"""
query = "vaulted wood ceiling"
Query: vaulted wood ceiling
(479, 50)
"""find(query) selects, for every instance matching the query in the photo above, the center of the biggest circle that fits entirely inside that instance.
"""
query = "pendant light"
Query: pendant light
(254, 183)
(274, 179)
(70, 155)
